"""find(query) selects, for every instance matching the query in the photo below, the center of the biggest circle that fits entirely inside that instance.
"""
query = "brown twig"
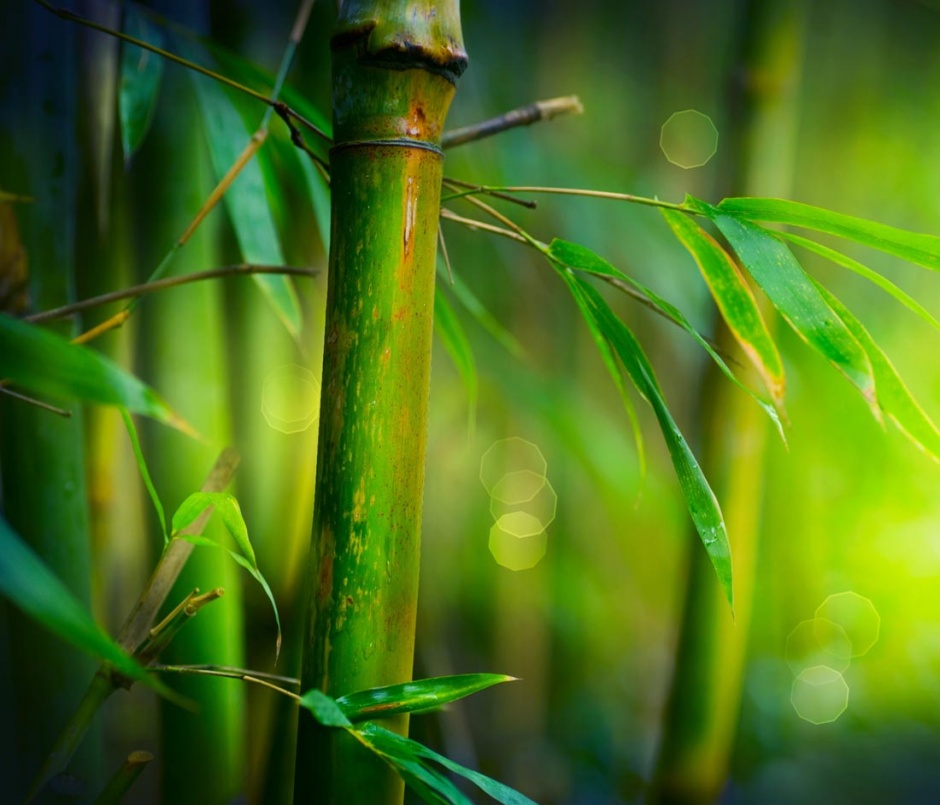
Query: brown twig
(4, 389)
(523, 116)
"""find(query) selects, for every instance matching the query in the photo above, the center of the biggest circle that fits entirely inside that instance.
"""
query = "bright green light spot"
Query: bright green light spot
(857, 616)
(819, 695)
(290, 398)
(818, 642)
(514, 552)
(541, 505)
(689, 139)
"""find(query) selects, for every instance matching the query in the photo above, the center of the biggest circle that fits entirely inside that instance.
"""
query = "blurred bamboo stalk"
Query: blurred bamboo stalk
(702, 713)
(394, 70)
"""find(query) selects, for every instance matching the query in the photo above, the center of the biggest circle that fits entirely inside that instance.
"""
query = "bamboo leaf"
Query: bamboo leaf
(43, 361)
(245, 199)
(794, 294)
(583, 259)
(701, 501)
(29, 584)
(735, 300)
(484, 318)
(452, 335)
(141, 72)
(415, 697)
(324, 709)
(915, 247)
(862, 270)
(893, 395)
(144, 472)
(399, 750)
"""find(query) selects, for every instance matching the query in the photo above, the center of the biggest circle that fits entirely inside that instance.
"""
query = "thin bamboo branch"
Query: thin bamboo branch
(124, 778)
(577, 191)
(169, 282)
(523, 116)
(4, 389)
(223, 671)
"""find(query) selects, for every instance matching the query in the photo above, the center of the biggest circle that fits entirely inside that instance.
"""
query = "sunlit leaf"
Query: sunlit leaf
(144, 472)
(324, 709)
(141, 71)
(735, 300)
(913, 246)
(792, 292)
(452, 335)
(583, 259)
(401, 751)
(31, 586)
(43, 361)
(245, 199)
(862, 270)
(893, 395)
(415, 697)
(701, 501)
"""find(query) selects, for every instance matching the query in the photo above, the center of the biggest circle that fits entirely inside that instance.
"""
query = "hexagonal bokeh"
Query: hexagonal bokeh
(818, 642)
(511, 456)
(517, 552)
(513, 494)
(290, 398)
(857, 616)
(688, 139)
(819, 695)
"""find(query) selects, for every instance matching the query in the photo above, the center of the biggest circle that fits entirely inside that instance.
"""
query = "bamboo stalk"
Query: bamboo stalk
(395, 65)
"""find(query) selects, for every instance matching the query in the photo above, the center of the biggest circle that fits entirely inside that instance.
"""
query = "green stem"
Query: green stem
(394, 68)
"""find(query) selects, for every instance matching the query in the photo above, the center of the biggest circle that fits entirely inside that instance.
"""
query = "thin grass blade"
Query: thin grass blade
(918, 248)
(144, 472)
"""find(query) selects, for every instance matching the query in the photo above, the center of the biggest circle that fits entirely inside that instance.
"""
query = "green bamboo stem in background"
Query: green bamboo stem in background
(202, 752)
(395, 64)
(42, 455)
(702, 714)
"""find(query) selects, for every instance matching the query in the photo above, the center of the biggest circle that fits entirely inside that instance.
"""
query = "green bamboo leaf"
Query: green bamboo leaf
(862, 270)
(415, 697)
(913, 246)
(398, 749)
(792, 292)
(141, 72)
(701, 501)
(144, 472)
(324, 709)
(29, 584)
(893, 395)
(735, 300)
(452, 335)
(39, 359)
(246, 200)
(484, 318)
(583, 259)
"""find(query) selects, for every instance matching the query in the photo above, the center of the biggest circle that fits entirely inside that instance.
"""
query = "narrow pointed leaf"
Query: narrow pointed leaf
(853, 265)
(144, 472)
(735, 300)
(452, 335)
(32, 587)
(794, 294)
(324, 709)
(893, 395)
(141, 72)
(38, 359)
(583, 259)
(701, 501)
(245, 200)
(913, 246)
(394, 746)
(415, 697)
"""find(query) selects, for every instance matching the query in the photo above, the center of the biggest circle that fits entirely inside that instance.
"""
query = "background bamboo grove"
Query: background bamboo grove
(635, 681)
